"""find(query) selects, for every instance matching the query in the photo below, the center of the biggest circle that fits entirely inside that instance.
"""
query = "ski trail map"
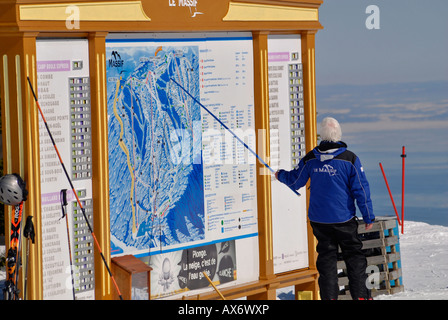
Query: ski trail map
(149, 116)
(176, 178)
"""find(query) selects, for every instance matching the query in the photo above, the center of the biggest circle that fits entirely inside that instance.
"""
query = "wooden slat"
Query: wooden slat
(387, 260)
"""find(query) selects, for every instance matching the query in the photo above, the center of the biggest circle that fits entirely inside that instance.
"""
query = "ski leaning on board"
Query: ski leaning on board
(13, 192)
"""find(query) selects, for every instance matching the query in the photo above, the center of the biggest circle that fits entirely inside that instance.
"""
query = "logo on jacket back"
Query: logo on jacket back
(326, 168)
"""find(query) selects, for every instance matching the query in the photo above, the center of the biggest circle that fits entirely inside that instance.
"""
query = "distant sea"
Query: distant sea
(377, 121)
(422, 200)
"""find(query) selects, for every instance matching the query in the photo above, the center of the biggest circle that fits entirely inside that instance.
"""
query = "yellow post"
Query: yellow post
(100, 168)
(20, 131)
(261, 97)
(309, 87)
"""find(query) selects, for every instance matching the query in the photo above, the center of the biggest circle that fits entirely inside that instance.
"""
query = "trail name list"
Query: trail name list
(226, 87)
(54, 67)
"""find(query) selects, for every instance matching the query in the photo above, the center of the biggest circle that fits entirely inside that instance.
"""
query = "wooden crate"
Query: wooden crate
(381, 244)
(133, 277)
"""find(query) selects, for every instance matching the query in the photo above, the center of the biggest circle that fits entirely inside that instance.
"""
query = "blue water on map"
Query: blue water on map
(156, 189)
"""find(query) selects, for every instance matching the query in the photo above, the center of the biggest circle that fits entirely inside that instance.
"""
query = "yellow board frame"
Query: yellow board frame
(24, 21)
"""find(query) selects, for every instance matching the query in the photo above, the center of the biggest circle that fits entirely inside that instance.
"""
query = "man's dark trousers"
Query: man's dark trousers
(345, 234)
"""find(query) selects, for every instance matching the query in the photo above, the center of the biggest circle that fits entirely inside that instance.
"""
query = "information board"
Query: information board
(181, 186)
(63, 86)
(287, 147)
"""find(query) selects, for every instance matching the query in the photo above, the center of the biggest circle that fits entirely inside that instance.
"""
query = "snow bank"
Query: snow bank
(424, 257)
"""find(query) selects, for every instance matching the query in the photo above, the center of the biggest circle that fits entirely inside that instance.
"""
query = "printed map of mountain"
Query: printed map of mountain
(156, 185)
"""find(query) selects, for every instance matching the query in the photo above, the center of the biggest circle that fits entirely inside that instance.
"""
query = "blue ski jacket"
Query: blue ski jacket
(337, 180)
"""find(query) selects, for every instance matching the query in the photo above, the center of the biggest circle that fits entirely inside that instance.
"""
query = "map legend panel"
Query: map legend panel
(287, 146)
(64, 95)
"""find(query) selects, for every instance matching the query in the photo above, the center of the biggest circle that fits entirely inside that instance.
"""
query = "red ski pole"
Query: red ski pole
(390, 194)
(403, 156)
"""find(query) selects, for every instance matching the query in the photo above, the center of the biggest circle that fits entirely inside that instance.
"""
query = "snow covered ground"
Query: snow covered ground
(424, 256)
(424, 264)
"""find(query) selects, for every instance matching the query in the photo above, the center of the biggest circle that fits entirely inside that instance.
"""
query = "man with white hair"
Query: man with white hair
(337, 180)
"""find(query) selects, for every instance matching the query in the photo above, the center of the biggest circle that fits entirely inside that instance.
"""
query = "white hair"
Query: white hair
(330, 130)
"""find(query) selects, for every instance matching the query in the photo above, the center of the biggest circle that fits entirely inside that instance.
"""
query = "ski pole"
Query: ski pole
(28, 233)
(390, 194)
(74, 192)
(403, 156)
(213, 285)
(63, 198)
(228, 129)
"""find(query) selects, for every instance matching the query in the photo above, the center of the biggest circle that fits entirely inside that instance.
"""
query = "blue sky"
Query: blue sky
(411, 44)
(389, 88)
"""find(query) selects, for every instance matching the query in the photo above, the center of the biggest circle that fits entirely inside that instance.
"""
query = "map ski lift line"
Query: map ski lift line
(228, 129)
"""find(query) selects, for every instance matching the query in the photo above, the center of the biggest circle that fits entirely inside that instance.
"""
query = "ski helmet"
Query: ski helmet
(12, 189)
